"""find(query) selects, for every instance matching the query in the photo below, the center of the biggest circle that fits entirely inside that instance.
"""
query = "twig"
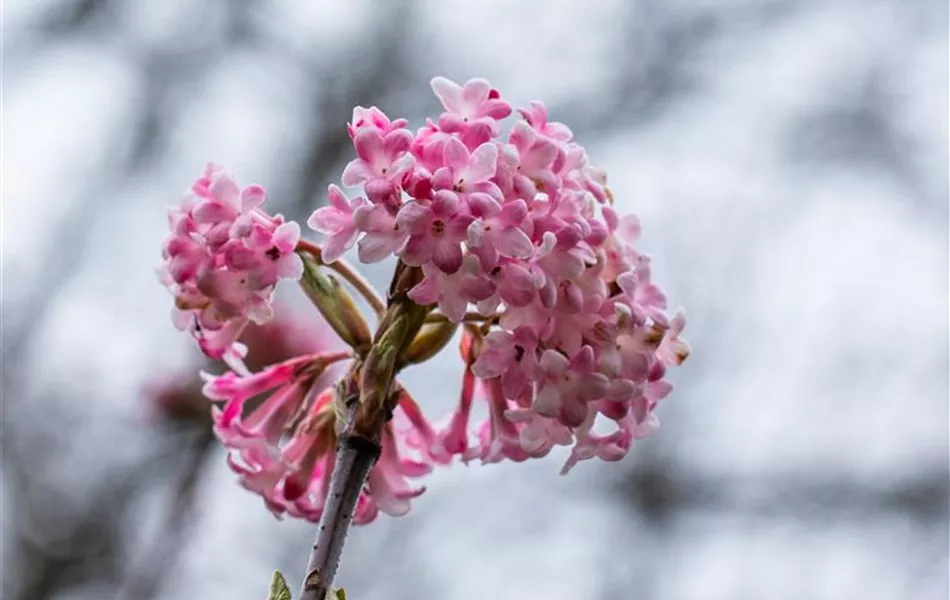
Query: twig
(355, 457)
(358, 446)
(349, 274)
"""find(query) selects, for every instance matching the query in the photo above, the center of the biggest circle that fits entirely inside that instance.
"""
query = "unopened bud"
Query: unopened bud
(335, 304)
(428, 342)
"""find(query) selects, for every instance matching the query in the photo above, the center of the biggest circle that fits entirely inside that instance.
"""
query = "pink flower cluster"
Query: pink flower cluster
(567, 339)
(223, 259)
(520, 228)
(292, 472)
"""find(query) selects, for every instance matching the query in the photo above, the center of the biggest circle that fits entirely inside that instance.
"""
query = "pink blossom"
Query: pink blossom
(453, 439)
(499, 438)
(372, 117)
(497, 230)
(336, 221)
(292, 473)
(223, 260)
(513, 356)
(566, 334)
(474, 102)
(383, 234)
(382, 160)
(453, 291)
(467, 172)
(537, 116)
(436, 231)
(673, 350)
(538, 158)
(567, 386)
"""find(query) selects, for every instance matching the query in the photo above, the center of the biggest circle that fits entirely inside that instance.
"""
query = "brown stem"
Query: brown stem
(358, 446)
(355, 457)
(348, 273)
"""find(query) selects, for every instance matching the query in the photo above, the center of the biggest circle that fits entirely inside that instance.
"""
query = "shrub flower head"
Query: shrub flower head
(505, 230)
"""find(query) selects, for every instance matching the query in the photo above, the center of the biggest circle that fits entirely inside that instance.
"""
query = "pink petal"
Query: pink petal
(251, 197)
(224, 189)
(447, 256)
(475, 92)
(286, 236)
(329, 220)
(426, 291)
(396, 141)
(356, 172)
(482, 163)
(476, 289)
(338, 199)
(455, 154)
(290, 266)
(513, 242)
(513, 213)
(553, 362)
(374, 247)
(445, 203)
(336, 245)
(448, 92)
(548, 400)
(369, 144)
(415, 218)
(593, 386)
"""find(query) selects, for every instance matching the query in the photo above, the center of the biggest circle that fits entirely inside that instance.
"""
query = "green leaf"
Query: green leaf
(278, 588)
(339, 595)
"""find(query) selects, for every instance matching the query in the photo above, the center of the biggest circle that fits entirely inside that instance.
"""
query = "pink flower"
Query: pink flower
(223, 260)
(467, 172)
(336, 221)
(567, 386)
(373, 117)
(611, 447)
(537, 116)
(436, 231)
(474, 102)
(539, 434)
(497, 230)
(292, 473)
(382, 160)
(499, 438)
(453, 439)
(383, 234)
(513, 356)
(453, 291)
(673, 350)
(538, 159)
(516, 236)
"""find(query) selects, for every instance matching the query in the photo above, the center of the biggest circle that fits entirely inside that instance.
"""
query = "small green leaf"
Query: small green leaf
(278, 588)
(338, 595)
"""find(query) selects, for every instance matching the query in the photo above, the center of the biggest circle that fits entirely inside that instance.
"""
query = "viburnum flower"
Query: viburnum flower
(503, 230)
(291, 471)
(223, 260)
(545, 260)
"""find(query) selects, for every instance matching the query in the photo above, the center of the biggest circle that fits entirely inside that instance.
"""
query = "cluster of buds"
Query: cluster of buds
(510, 235)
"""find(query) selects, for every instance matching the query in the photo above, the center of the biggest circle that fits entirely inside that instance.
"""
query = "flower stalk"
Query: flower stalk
(358, 446)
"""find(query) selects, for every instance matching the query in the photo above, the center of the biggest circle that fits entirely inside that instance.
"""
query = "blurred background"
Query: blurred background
(788, 159)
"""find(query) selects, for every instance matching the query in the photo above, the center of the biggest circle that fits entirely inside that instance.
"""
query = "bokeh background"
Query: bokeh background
(788, 158)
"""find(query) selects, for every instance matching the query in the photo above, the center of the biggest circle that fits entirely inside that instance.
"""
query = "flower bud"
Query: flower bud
(335, 304)
(428, 342)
